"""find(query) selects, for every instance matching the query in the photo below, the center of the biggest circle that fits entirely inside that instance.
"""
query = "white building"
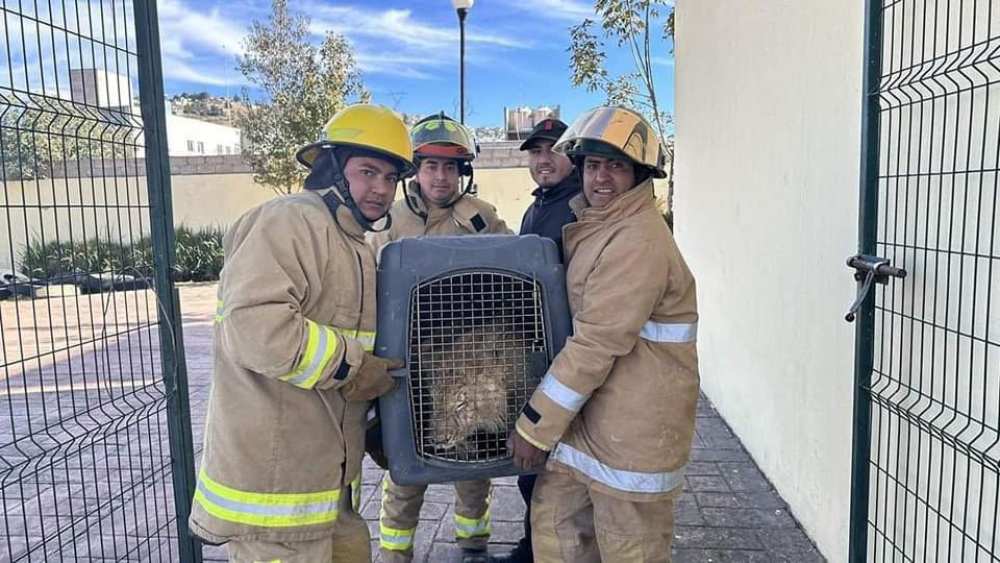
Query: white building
(96, 87)
(185, 136)
(519, 121)
(193, 137)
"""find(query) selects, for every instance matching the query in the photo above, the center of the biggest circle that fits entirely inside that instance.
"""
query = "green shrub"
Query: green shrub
(57, 260)
(198, 253)
(198, 257)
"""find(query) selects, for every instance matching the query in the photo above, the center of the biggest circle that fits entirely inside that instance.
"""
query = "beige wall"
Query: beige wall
(70, 209)
(218, 199)
(84, 208)
(509, 189)
(214, 199)
(768, 133)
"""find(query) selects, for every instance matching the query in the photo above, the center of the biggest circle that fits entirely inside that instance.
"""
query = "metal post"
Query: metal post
(865, 331)
(162, 233)
(461, 63)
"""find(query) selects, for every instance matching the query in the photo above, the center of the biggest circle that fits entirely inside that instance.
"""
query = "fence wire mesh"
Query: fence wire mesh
(935, 385)
(85, 459)
(476, 341)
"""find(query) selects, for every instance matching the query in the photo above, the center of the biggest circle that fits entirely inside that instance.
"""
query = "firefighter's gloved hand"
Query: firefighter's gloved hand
(371, 379)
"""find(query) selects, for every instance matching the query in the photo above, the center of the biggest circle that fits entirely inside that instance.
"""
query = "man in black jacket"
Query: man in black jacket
(557, 183)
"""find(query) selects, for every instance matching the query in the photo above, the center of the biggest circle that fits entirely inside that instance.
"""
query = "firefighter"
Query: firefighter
(294, 370)
(615, 412)
(436, 203)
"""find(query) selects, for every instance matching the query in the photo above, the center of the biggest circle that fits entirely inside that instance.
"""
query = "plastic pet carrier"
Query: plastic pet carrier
(478, 320)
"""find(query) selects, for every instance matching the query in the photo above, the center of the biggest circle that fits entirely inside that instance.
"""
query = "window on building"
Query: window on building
(190, 146)
(201, 147)
(218, 149)
(229, 149)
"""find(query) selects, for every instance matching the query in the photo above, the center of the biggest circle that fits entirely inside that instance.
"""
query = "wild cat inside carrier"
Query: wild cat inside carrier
(477, 319)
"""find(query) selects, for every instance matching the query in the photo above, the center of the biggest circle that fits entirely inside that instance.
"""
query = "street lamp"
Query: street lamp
(462, 7)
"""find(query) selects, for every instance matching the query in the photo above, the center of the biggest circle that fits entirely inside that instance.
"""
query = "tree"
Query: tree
(303, 85)
(630, 24)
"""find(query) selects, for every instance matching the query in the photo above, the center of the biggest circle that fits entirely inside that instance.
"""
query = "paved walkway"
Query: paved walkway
(729, 512)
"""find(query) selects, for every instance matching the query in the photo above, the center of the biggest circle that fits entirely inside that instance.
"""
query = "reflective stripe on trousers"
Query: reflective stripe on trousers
(390, 538)
(630, 481)
(269, 510)
(473, 527)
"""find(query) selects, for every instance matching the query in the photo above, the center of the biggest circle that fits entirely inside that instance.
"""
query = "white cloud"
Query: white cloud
(407, 67)
(663, 61)
(398, 26)
(199, 47)
(179, 70)
(395, 42)
(568, 10)
(182, 26)
(573, 11)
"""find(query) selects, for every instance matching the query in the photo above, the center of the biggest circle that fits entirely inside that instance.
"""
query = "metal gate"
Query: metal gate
(95, 441)
(927, 399)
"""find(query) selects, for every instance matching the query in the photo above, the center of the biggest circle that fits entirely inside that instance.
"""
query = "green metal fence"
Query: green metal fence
(95, 444)
(927, 410)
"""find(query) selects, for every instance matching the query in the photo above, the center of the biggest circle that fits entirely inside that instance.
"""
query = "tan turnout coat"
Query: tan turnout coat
(617, 407)
(411, 216)
(296, 311)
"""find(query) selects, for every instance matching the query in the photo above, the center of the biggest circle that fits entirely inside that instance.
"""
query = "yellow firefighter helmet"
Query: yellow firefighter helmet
(366, 126)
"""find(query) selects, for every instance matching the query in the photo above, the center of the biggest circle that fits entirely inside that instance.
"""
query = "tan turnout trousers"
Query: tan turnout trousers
(573, 522)
(400, 514)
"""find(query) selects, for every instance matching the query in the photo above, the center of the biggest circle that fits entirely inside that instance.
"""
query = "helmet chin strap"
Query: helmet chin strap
(412, 204)
(338, 181)
(468, 184)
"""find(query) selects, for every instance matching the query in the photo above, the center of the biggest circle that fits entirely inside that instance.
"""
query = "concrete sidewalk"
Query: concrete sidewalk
(729, 512)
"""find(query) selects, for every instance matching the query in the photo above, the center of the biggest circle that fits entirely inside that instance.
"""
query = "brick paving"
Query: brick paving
(729, 512)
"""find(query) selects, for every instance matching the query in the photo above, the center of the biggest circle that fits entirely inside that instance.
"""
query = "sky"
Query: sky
(408, 51)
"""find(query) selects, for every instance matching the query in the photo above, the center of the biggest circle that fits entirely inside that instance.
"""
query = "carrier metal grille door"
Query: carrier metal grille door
(927, 401)
(477, 339)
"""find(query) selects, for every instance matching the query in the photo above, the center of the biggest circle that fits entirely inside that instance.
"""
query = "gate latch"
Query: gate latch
(870, 269)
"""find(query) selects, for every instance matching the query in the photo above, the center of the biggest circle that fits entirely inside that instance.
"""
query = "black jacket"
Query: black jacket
(550, 211)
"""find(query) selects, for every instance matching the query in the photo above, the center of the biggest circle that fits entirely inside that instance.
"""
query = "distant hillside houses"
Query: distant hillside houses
(206, 107)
